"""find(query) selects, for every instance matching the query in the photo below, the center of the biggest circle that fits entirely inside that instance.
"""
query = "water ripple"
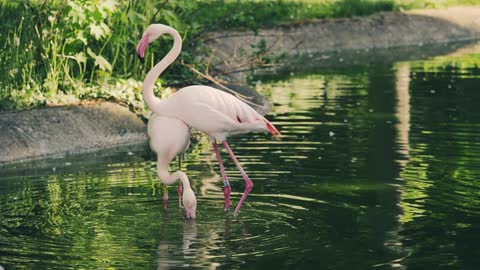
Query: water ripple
(377, 167)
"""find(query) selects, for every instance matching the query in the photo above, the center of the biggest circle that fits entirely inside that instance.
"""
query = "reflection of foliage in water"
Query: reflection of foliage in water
(437, 187)
(438, 198)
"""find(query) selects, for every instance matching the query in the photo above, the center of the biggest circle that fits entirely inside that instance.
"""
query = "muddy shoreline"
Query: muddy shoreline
(342, 38)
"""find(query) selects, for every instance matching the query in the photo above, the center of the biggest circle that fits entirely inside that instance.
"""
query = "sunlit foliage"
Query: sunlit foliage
(54, 51)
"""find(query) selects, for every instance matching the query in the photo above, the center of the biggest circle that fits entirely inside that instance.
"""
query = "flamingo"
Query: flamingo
(212, 111)
(170, 137)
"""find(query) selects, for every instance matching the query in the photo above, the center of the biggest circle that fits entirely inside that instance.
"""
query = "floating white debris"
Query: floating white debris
(68, 163)
(432, 91)
(130, 153)
(345, 120)
(331, 133)
(371, 110)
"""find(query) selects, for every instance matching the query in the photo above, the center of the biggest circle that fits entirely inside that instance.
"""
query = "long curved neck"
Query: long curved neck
(169, 179)
(153, 102)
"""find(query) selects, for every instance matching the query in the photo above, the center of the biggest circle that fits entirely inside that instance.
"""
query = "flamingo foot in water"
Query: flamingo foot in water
(248, 182)
(248, 188)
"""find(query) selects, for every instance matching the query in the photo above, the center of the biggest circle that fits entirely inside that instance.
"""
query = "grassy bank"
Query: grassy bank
(60, 51)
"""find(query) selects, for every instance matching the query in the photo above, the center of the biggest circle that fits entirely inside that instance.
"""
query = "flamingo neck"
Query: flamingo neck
(153, 102)
(169, 179)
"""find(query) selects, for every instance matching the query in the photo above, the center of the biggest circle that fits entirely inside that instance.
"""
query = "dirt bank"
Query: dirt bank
(59, 130)
(379, 31)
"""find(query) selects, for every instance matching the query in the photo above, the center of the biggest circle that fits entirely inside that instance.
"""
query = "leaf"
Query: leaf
(105, 28)
(102, 63)
(80, 57)
(82, 38)
(109, 5)
(172, 19)
(135, 17)
(76, 13)
(96, 31)
(91, 53)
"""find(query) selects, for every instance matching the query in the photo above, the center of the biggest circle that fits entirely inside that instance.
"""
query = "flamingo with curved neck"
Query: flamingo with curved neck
(217, 113)
(152, 33)
(170, 137)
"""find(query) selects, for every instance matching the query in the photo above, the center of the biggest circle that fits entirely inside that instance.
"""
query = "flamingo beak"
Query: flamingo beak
(191, 214)
(142, 47)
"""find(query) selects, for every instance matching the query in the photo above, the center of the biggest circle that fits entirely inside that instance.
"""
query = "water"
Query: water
(378, 168)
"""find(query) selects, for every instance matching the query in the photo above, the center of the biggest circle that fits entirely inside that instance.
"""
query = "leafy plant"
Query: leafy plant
(51, 49)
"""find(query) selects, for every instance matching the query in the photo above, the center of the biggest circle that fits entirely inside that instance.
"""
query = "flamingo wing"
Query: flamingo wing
(216, 112)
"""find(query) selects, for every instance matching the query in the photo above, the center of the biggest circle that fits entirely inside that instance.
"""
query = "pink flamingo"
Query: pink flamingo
(170, 137)
(217, 113)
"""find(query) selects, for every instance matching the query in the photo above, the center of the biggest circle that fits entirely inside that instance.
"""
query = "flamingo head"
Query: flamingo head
(189, 202)
(152, 32)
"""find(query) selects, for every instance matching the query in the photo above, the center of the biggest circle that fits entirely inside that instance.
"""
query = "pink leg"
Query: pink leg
(248, 182)
(165, 197)
(180, 190)
(226, 186)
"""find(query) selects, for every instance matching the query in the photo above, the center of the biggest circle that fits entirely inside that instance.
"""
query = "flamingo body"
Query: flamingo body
(215, 112)
(169, 137)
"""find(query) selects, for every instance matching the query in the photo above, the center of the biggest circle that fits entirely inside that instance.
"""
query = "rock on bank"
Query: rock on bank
(59, 130)
(378, 31)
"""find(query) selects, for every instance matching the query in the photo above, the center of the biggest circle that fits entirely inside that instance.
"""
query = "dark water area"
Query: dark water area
(378, 168)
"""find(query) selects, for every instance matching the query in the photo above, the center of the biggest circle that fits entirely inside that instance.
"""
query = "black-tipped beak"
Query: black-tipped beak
(141, 47)
(142, 60)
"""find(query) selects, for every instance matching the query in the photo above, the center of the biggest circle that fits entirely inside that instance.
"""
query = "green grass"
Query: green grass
(55, 51)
